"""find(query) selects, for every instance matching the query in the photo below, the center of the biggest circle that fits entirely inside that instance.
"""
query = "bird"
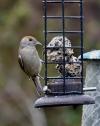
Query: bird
(30, 61)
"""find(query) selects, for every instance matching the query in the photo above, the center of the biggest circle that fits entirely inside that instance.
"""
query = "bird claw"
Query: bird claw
(41, 77)
(46, 90)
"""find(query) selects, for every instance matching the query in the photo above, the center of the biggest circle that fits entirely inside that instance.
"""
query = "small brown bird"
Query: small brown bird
(29, 60)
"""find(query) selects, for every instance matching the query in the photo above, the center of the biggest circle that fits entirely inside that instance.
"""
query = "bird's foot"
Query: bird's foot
(46, 90)
(40, 76)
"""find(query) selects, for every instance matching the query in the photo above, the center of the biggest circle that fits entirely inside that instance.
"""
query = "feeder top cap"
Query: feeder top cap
(92, 55)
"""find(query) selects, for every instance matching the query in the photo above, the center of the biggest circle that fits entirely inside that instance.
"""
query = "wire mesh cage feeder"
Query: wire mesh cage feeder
(67, 88)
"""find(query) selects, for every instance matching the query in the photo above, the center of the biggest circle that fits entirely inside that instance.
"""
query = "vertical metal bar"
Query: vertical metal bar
(63, 30)
(81, 37)
(45, 28)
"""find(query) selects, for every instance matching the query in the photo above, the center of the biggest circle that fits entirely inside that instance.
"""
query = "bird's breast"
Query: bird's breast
(31, 60)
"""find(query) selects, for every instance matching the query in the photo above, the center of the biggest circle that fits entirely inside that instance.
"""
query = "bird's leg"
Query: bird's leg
(40, 76)
(41, 61)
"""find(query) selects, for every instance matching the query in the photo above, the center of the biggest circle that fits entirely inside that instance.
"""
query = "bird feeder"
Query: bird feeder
(67, 88)
(92, 60)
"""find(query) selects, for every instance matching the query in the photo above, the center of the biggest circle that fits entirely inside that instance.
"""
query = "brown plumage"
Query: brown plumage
(29, 60)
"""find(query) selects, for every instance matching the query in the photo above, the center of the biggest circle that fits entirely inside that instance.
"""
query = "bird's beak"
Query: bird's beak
(38, 43)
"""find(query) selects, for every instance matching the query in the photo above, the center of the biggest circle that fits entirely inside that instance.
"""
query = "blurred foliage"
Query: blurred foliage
(24, 17)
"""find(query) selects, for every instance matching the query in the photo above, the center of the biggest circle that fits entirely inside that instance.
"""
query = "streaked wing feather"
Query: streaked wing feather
(20, 60)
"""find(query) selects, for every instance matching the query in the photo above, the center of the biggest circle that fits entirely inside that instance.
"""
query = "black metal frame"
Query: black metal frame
(63, 90)
(63, 31)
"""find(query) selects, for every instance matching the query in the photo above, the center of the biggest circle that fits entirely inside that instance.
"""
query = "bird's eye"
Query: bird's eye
(30, 39)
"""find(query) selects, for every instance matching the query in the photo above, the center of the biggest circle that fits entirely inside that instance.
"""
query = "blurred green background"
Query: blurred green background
(19, 18)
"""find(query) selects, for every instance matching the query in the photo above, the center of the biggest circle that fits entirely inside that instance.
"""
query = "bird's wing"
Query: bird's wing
(20, 60)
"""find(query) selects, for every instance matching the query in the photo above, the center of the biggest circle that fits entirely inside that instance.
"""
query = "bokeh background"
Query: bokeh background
(17, 94)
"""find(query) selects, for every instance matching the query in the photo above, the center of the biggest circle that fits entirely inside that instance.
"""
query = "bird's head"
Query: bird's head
(29, 41)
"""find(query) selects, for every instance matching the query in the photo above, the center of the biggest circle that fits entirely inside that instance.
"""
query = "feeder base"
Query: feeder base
(66, 100)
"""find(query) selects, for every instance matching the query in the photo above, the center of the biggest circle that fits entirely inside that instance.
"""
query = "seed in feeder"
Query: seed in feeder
(53, 54)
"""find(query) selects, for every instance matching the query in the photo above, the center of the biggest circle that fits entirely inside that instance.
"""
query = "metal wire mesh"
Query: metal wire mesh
(63, 31)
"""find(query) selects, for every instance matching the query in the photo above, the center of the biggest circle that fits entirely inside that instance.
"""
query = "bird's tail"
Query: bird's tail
(37, 83)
